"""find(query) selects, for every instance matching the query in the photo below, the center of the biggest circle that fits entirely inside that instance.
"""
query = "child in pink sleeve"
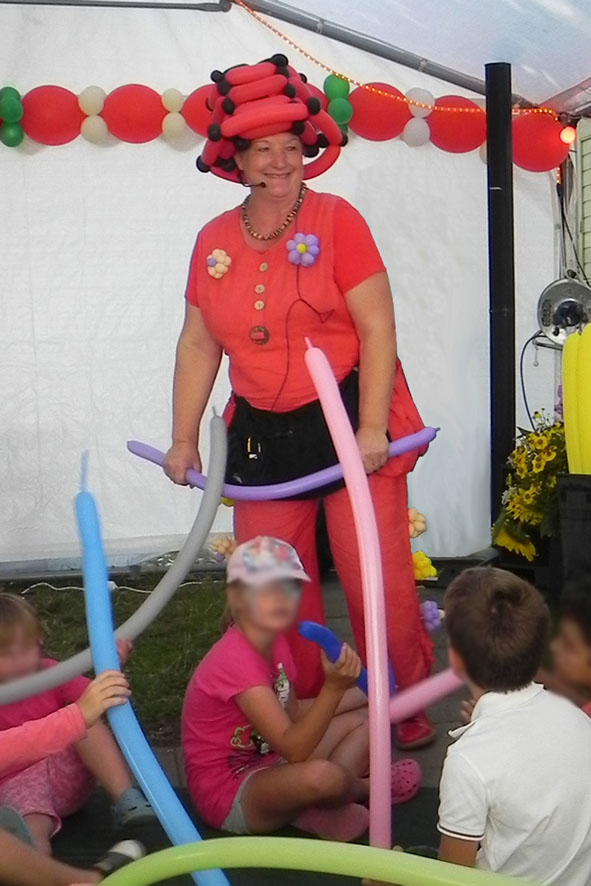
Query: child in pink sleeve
(58, 783)
(256, 757)
(23, 746)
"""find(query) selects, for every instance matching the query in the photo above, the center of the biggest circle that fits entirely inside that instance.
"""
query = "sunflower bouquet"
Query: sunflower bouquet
(530, 500)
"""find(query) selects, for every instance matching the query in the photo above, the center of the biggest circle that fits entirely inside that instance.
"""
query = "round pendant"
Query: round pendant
(259, 335)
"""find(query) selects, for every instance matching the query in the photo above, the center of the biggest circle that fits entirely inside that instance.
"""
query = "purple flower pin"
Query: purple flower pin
(303, 249)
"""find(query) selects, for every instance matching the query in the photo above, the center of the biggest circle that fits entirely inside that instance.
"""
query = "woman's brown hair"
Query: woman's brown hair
(499, 625)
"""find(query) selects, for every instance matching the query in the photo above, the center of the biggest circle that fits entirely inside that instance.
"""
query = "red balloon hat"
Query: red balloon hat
(255, 101)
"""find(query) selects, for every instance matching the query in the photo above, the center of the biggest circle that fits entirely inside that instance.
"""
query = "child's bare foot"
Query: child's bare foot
(344, 824)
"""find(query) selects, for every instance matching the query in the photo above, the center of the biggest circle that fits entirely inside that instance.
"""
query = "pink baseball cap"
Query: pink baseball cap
(263, 560)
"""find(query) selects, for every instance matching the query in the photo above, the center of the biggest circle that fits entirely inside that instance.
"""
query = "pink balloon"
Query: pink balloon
(410, 701)
(366, 528)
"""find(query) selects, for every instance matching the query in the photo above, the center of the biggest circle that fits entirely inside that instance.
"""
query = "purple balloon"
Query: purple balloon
(276, 491)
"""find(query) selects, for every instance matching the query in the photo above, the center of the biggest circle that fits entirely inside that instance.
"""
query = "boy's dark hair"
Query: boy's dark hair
(499, 624)
(576, 605)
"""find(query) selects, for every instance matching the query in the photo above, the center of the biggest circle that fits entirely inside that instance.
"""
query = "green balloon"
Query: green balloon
(286, 853)
(336, 87)
(11, 108)
(341, 110)
(11, 134)
(10, 90)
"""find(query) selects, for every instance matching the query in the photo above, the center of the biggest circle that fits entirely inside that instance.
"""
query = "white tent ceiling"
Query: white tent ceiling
(546, 41)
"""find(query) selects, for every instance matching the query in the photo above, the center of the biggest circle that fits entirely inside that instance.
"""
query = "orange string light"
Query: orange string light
(401, 98)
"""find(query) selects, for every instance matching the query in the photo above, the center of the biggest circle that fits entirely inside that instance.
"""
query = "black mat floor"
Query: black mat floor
(86, 836)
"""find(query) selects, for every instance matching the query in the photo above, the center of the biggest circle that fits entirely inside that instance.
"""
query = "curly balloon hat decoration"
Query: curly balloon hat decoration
(256, 101)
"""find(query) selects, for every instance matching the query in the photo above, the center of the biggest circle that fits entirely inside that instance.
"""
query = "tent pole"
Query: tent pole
(501, 266)
(295, 16)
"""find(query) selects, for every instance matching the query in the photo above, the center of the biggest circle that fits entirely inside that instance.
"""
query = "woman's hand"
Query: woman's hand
(177, 461)
(106, 691)
(344, 672)
(373, 448)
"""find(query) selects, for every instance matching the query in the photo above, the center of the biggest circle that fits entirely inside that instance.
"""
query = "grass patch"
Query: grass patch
(164, 656)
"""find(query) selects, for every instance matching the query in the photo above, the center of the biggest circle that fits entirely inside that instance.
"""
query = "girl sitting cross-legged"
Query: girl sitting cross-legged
(258, 758)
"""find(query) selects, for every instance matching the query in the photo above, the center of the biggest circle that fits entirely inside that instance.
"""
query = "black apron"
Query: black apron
(267, 447)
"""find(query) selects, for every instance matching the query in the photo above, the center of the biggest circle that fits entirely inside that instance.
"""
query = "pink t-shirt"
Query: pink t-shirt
(219, 745)
(22, 746)
(45, 703)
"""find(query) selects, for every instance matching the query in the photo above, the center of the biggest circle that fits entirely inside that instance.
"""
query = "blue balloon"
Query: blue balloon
(331, 645)
(132, 741)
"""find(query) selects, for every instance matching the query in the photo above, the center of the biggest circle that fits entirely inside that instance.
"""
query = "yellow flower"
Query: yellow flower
(539, 463)
(551, 453)
(539, 441)
(530, 495)
(525, 548)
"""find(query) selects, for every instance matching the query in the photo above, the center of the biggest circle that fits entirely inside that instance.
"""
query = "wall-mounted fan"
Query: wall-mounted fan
(563, 307)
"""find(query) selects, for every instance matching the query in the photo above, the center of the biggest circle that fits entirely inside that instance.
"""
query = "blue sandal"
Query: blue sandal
(132, 808)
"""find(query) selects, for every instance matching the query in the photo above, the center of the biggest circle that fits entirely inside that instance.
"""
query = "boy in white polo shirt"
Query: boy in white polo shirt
(515, 794)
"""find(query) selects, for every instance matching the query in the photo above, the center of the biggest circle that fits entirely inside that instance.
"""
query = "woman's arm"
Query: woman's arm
(198, 358)
(295, 741)
(372, 311)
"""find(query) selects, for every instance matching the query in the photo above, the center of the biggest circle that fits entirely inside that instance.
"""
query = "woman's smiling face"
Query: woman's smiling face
(277, 161)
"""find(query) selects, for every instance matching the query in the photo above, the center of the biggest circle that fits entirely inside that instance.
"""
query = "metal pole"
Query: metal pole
(303, 20)
(501, 267)
(294, 16)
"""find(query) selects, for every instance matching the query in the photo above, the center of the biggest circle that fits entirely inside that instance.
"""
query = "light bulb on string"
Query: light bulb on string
(568, 135)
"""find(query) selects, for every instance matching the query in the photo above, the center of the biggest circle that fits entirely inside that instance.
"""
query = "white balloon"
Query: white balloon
(173, 99)
(424, 97)
(174, 126)
(94, 129)
(482, 152)
(416, 132)
(92, 100)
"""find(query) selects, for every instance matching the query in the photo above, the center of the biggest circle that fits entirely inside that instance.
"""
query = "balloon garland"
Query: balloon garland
(134, 113)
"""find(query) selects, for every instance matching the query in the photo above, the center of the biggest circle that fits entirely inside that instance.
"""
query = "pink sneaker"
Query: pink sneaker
(406, 780)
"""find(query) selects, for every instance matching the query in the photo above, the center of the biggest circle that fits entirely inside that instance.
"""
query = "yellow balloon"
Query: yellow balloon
(293, 853)
(570, 360)
(94, 129)
(173, 126)
(92, 100)
(584, 399)
(173, 99)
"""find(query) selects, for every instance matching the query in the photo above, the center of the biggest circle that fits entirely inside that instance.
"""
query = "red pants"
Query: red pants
(409, 646)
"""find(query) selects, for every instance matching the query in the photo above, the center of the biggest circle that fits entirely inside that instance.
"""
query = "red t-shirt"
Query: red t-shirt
(264, 307)
(220, 747)
(287, 302)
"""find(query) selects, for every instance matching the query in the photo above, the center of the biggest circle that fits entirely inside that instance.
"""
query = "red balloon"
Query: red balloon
(376, 116)
(537, 145)
(52, 115)
(134, 113)
(196, 111)
(457, 131)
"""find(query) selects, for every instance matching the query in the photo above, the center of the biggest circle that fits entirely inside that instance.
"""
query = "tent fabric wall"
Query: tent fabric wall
(95, 248)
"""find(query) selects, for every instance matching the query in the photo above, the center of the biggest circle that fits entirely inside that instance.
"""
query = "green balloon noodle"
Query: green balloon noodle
(285, 853)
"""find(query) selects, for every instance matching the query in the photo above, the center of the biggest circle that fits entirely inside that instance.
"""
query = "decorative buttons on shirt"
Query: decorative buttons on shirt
(259, 305)
(259, 335)
(259, 288)
(264, 266)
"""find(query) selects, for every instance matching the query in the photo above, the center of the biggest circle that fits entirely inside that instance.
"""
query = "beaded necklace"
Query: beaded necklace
(282, 227)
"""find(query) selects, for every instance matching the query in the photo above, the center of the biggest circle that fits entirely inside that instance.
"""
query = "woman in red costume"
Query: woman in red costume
(287, 264)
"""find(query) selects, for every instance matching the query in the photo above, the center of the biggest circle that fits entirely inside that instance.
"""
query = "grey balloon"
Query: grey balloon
(162, 593)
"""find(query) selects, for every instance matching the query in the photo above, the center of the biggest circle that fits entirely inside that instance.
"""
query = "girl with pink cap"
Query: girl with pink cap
(257, 757)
